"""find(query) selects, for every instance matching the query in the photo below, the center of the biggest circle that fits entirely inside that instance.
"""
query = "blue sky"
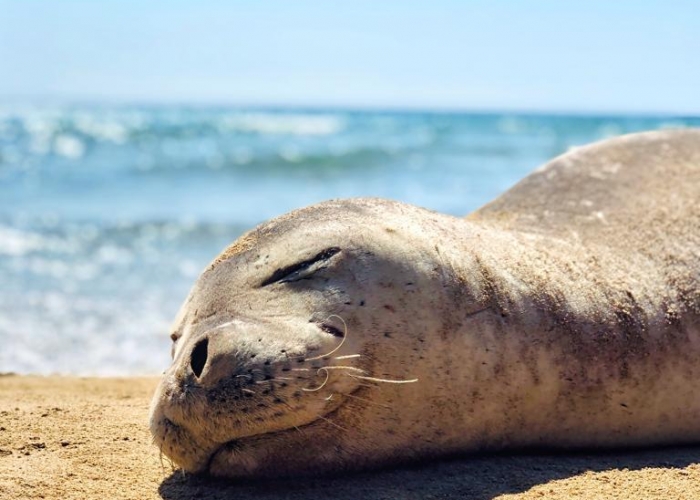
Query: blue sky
(539, 55)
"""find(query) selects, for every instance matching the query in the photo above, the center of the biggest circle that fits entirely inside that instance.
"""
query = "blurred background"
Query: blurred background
(138, 139)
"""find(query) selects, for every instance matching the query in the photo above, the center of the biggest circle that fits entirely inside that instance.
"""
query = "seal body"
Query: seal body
(359, 333)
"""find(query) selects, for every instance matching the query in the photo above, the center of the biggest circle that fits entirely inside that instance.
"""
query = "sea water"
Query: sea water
(109, 213)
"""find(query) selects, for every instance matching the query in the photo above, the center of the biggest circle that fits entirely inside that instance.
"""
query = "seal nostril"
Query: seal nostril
(199, 357)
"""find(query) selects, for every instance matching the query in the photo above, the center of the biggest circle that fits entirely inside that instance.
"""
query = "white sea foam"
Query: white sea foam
(289, 124)
(110, 130)
(69, 146)
(14, 242)
(242, 155)
(291, 153)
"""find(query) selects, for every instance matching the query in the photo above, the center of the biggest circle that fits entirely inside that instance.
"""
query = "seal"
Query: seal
(365, 332)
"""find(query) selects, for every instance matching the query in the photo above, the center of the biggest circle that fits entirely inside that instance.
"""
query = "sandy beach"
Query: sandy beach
(66, 437)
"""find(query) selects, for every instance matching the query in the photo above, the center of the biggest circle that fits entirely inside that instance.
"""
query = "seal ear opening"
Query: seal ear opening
(336, 332)
(199, 356)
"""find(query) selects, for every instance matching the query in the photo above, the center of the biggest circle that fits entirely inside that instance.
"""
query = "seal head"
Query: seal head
(292, 324)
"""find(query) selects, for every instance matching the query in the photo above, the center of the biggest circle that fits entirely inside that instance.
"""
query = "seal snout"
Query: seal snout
(199, 355)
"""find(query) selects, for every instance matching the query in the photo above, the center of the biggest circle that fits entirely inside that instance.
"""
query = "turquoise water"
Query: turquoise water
(107, 214)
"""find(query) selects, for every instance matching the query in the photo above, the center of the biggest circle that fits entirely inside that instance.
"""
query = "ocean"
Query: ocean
(108, 213)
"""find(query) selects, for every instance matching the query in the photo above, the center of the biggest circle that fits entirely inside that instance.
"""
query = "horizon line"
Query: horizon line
(339, 107)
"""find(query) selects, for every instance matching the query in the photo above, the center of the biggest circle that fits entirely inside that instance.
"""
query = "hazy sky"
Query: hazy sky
(550, 55)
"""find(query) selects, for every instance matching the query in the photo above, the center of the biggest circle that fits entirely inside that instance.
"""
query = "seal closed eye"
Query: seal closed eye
(294, 272)
(586, 280)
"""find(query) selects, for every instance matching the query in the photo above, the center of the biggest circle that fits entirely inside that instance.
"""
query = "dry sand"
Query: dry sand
(63, 438)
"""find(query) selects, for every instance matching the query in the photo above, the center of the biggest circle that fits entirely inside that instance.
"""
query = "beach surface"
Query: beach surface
(69, 437)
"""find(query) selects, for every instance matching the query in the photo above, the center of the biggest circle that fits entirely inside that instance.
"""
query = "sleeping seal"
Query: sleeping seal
(365, 332)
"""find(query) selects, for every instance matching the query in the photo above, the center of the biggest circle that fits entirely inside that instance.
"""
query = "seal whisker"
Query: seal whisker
(348, 356)
(384, 380)
(340, 367)
(284, 403)
(332, 423)
(368, 401)
(248, 391)
(160, 458)
(328, 375)
(327, 369)
(371, 386)
(219, 327)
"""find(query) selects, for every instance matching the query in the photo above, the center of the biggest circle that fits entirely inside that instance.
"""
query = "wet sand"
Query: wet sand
(67, 437)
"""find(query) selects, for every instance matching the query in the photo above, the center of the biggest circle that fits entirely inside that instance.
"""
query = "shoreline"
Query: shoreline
(64, 437)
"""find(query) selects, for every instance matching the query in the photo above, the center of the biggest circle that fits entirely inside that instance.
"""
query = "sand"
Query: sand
(66, 437)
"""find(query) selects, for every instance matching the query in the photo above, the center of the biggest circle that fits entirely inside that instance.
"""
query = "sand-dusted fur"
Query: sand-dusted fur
(357, 333)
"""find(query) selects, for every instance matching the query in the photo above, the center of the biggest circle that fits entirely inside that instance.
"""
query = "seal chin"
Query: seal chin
(173, 433)
(258, 456)
(194, 457)
(180, 446)
(235, 458)
(230, 460)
